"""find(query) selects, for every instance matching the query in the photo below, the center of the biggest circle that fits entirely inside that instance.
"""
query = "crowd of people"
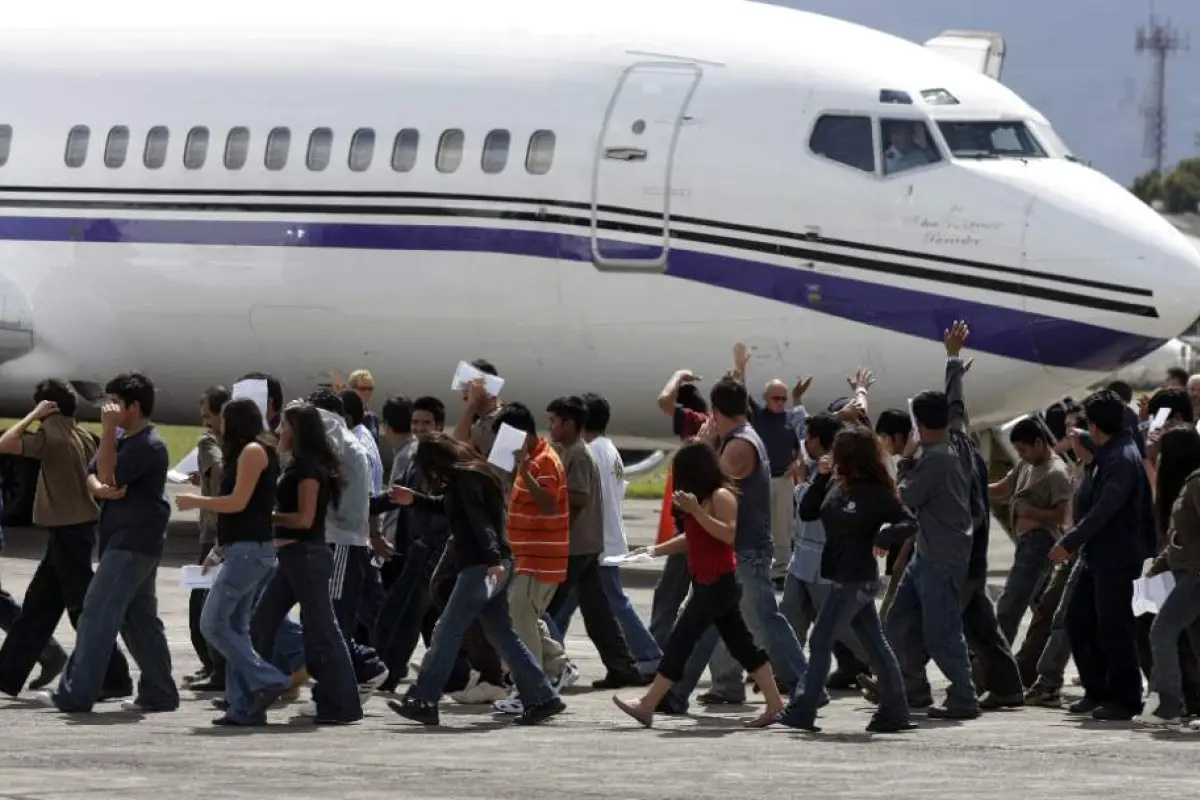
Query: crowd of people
(774, 524)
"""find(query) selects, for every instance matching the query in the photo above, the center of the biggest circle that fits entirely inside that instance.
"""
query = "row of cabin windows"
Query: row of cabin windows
(539, 153)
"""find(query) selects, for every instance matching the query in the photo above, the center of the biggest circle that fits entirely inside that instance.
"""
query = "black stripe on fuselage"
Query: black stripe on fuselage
(244, 204)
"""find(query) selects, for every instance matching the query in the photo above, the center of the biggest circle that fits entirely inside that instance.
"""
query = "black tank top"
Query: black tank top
(253, 523)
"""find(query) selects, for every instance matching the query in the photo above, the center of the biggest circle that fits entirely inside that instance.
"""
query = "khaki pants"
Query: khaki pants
(528, 599)
(782, 492)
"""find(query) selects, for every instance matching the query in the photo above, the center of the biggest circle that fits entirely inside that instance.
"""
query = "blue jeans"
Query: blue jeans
(302, 576)
(121, 598)
(645, 650)
(1180, 614)
(469, 601)
(926, 617)
(1030, 570)
(850, 606)
(802, 602)
(225, 623)
(673, 586)
(761, 612)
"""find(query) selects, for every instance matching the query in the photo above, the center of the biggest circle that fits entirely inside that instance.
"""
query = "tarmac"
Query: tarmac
(592, 751)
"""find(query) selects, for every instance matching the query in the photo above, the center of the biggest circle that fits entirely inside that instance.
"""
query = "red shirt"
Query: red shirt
(709, 559)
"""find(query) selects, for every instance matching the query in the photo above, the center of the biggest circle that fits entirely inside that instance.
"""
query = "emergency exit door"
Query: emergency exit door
(634, 162)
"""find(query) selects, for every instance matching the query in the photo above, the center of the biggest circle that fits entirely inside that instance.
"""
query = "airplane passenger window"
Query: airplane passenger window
(848, 140)
(116, 147)
(991, 140)
(362, 149)
(404, 150)
(450, 150)
(540, 155)
(237, 147)
(906, 145)
(155, 154)
(495, 151)
(5, 143)
(195, 149)
(77, 146)
(320, 149)
(278, 142)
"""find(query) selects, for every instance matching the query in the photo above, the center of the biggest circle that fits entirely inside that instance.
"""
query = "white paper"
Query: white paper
(256, 390)
(911, 417)
(465, 373)
(1160, 418)
(192, 576)
(492, 586)
(626, 559)
(187, 465)
(1149, 594)
(508, 441)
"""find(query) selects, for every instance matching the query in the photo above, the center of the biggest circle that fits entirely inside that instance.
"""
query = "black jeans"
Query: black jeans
(59, 584)
(672, 589)
(583, 576)
(711, 604)
(350, 566)
(303, 576)
(987, 641)
(210, 660)
(10, 612)
(1101, 629)
(399, 623)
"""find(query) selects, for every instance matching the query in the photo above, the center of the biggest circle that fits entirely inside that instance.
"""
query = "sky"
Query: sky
(1074, 60)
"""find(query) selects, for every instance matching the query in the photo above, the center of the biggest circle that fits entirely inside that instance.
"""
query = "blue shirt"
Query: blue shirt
(808, 538)
(1114, 520)
(138, 521)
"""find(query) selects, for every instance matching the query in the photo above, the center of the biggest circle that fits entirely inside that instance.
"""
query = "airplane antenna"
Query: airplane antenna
(1161, 41)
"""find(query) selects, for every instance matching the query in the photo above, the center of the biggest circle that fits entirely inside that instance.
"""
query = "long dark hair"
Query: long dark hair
(309, 441)
(1179, 457)
(859, 459)
(441, 459)
(697, 470)
(241, 424)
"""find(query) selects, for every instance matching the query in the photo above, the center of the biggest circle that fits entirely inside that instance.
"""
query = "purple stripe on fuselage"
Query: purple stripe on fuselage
(1013, 333)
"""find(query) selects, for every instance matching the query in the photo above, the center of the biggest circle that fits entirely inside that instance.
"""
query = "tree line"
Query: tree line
(1178, 191)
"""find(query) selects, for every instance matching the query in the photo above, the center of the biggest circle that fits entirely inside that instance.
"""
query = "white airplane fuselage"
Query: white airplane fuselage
(682, 210)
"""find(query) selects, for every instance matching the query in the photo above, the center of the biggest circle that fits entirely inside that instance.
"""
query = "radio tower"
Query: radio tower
(1161, 41)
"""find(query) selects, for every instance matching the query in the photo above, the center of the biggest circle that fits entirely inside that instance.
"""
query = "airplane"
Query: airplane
(589, 195)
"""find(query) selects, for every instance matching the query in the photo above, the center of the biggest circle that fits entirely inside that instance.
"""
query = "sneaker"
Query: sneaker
(566, 679)
(992, 701)
(1151, 718)
(541, 712)
(415, 710)
(479, 692)
(1041, 695)
(372, 684)
(50, 670)
(199, 676)
(46, 699)
(509, 705)
(308, 710)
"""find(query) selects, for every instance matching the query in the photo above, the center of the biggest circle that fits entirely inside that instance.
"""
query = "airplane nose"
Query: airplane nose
(1109, 280)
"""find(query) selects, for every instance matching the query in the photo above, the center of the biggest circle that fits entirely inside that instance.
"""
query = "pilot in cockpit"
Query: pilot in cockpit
(908, 146)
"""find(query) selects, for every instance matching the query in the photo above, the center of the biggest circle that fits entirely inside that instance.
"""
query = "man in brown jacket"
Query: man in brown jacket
(65, 508)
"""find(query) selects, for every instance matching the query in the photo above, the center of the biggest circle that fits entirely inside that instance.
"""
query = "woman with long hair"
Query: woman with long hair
(465, 489)
(308, 485)
(705, 494)
(854, 497)
(244, 551)
(1177, 513)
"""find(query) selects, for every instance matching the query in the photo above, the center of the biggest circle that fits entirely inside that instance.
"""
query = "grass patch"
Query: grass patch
(648, 487)
(178, 438)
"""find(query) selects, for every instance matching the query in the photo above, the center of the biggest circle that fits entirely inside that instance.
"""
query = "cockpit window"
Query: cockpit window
(939, 97)
(991, 140)
(845, 139)
(906, 144)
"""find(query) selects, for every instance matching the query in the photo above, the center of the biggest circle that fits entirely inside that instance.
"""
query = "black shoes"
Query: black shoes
(50, 670)
(617, 680)
(416, 710)
(534, 715)
(952, 712)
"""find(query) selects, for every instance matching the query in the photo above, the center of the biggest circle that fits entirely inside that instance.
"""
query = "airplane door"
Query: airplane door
(634, 160)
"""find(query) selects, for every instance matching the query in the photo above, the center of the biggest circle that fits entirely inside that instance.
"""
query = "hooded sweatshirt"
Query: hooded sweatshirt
(1183, 546)
(348, 522)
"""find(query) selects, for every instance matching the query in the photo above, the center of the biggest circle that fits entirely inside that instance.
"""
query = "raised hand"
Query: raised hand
(956, 338)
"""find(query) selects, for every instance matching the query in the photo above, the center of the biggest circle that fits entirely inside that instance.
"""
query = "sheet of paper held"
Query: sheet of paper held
(626, 559)
(256, 390)
(1160, 418)
(465, 373)
(191, 577)
(1149, 594)
(492, 586)
(508, 441)
(186, 466)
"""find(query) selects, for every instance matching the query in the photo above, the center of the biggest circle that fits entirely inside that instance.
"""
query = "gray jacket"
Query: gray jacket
(349, 522)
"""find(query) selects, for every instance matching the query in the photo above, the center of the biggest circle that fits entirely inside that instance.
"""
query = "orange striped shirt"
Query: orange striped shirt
(541, 542)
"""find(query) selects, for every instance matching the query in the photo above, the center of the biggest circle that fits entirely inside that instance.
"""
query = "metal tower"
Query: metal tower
(1161, 41)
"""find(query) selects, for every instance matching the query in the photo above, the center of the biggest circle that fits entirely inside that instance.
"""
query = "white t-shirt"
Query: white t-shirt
(612, 488)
